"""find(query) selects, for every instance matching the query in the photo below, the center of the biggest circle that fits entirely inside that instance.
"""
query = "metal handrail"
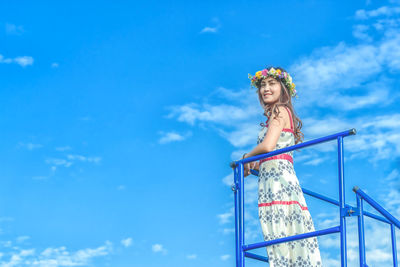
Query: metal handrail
(360, 196)
(294, 147)
(238, 188)
(377, 207)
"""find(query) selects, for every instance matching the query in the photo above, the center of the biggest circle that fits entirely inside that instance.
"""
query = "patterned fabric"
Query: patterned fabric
(283, 210)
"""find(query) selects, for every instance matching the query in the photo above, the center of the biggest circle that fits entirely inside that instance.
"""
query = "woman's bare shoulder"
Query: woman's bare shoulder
(283, 115)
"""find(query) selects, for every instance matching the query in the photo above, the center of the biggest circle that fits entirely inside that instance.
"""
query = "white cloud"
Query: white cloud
(191, 256)
(243, 135)
(214, 29)
(53, 257)
(54, 65)
(127, 242)
(158, 248)
(222, 113)
(172, 137)
(228, 231)
(350, 70)
(21, 239)
(22, 61)
(209, 29)
(377, 136)
(13, 29)
(382, 24)
(236, 123)
(363, 14)
(121, 187)
(44, 177)
(84, 158)
(225, 218)
(63, 148)
(315, 162)
(228, 180)
(225, 257)
(342, 66)
(29, 146)
(58, 162)
(360, 32)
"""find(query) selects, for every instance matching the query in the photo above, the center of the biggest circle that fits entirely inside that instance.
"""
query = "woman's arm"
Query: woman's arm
(275, 128)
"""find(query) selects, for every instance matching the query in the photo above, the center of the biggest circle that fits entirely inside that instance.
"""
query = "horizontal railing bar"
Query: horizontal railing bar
(294, 147)
(376, 217)
(334, 202)
(254, 172)
(255, 256)
(319, 196)
(378, 207)
(291, 238)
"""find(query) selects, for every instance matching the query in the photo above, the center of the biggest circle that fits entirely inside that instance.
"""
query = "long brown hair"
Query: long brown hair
(284, 100)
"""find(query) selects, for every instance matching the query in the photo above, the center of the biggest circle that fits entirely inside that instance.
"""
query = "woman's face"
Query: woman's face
(270, 90)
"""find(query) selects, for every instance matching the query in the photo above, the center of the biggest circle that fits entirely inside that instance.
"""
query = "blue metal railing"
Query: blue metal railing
(345, 210)
(361, 195)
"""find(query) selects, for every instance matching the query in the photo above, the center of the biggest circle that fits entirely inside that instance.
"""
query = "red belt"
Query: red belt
(282, 203)
(280, 156)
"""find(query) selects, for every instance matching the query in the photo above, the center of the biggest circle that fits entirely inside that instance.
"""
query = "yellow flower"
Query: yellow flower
(278, 71)
(258, 74)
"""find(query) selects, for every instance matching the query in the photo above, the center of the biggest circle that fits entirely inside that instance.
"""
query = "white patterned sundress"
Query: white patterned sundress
(282, 208)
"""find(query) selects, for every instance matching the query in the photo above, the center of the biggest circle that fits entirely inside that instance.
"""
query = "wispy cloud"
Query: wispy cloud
(168, 137)
(121, 187)
(360, 32)
(22, 61)
(212, 29)
(352, 70)
(29, 146)
(209, 29)
(63, 148)
(21, 239)
(225, 257)
(126, 242)
(58, 162)
(191, 113)
(158, 248)
(13, 29)
(191, 256)
(53, 256)
(84, 158)
(363, 14)
(225, 218)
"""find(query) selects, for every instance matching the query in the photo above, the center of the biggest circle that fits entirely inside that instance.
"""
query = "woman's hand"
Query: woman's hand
(247, 166)
(256, 165)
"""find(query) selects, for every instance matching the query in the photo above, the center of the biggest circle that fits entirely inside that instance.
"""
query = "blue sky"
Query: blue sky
(119, 121)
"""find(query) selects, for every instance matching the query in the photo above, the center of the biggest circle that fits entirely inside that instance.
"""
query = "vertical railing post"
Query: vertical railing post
(361, 237)
(342, 203)
(237, 231)
(394, 249)
(241, 213)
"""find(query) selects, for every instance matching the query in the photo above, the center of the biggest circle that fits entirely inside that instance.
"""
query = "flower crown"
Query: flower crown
(276, 73)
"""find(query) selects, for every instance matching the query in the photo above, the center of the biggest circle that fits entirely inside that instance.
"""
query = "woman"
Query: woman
(282, 208)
